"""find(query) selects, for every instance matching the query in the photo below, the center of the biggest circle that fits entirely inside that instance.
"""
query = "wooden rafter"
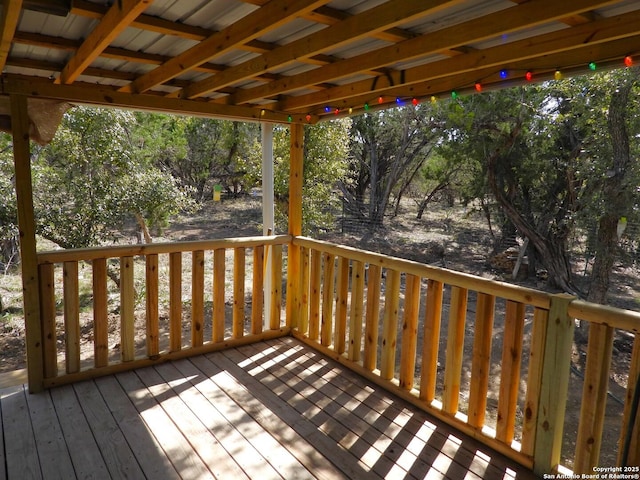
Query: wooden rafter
(246, 29)
(307, 54)
(599, 32)
(119, 17)
(525, 15)
(8, 24)
(352, 28)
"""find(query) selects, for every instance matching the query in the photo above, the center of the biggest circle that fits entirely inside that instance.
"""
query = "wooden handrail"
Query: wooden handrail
(504, 290)
(88, 254)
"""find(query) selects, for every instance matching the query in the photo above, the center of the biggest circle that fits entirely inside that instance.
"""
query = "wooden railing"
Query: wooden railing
(146, 314)
(500, 375)
(492, 359)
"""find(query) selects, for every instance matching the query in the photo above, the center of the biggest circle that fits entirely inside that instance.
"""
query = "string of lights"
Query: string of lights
(504, 74)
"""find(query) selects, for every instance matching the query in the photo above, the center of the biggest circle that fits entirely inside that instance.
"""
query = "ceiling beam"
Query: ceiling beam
(273, 14)
(119, 16)
(8, 25)
(364, 24)
(105, 96)
(500, 23)
(565, 40)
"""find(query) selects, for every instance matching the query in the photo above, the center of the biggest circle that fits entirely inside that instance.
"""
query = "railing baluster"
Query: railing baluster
(328, 286)
(409, 332)
(303, 306)
(48, 317)
(153, 316)
(431, 340)
(71, 316)
(481, 363)
(127, 308)
(197, 298)
(510, 371)
(390, 324)
(372, 317)
(357, 308)
(175, 301)
(100, 313)
(276, 288)
(315, 285)
(630, 434)
(594, 398)
(534, 379)
(455, 350)
(257, 296)
(218, 294)
(342, 295)
(238, 292)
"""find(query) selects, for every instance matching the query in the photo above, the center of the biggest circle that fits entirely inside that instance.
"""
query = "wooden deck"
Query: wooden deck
(270, 410)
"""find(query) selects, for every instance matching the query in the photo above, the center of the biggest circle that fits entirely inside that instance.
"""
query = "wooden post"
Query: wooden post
(153, 316)
(71, 316)
(27, 229)
(197, 298)
(390, 325)
(100, 313)
(372, 317)
(239, 261)
(257, 297)
(431, 340)
(342, 293)
(510, 371)
(315, 280)
(554, 386)
(455, 350)
(294, 292)
(630, 432)
(357, 307)
(409, 332)
(175, 301)
(127, 310)
(481, 363)
(594, 398)
(534, 380)
(48, 316)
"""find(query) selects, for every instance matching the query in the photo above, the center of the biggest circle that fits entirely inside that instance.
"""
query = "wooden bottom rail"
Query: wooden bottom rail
(164, 357)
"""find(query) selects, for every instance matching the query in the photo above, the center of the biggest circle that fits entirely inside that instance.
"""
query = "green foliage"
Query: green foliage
(325, 163)
(94, 175)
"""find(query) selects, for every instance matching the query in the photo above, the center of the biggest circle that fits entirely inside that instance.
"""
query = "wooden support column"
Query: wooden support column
(27, 228)
(294, 294)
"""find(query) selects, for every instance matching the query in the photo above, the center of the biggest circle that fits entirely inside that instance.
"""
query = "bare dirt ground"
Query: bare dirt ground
(453, 238)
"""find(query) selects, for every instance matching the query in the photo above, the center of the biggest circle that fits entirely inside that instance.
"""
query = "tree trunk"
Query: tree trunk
(615, 192)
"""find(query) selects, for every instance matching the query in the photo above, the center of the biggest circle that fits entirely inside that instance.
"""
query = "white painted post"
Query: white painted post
(268, 213)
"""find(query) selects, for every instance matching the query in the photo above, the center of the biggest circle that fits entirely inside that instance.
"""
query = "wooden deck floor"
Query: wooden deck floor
(271, 410)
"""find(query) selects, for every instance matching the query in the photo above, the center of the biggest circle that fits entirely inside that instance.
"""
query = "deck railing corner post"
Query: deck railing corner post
(554, 385)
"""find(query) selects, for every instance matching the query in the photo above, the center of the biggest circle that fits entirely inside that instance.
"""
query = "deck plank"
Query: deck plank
(209, 408)
(53, 455)
(173, 442)
(118, 457)
(83, 449)
(144, 446)
(19, 441)
(271, 410)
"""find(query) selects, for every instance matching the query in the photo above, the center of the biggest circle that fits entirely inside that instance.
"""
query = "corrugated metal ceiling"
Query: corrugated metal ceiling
(288, 59)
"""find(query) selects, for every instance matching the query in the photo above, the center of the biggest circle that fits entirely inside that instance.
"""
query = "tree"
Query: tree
(325, 162)
(387, 151)
(619, 185)
(94, 174)
(527, 164)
